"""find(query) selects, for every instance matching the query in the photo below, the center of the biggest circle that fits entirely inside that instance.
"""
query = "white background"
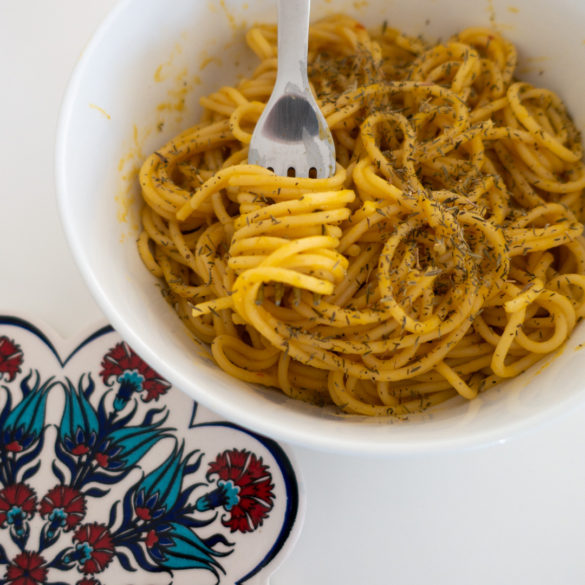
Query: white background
(513, 513)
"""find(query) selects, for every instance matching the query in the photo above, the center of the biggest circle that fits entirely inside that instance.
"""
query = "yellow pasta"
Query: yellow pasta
(445, 255)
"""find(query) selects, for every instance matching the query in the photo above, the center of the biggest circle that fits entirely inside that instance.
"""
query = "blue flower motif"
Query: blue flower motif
(24, 425)
(80, 425)
(157, 492)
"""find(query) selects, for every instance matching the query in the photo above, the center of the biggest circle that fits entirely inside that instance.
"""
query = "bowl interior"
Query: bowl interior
(138, 83)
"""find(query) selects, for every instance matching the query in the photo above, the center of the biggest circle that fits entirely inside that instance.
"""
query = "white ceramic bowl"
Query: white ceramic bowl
(137, 84)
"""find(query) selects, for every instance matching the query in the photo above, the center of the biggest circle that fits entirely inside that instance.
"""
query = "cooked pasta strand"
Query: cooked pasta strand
(445, 255)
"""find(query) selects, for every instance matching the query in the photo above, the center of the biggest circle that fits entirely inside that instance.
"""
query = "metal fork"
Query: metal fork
(292, 137)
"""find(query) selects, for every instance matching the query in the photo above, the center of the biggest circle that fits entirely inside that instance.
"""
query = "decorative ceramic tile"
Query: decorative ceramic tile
(110, 475)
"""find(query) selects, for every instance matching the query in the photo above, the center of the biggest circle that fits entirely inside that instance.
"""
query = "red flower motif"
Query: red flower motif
(121, 359)
(14, 447)
(103, 459)
(11, 358)
(16, 502)
(254, 488)
(143, 513)
(95, 547)
(151, 538)
(63, 505)
(27, 568)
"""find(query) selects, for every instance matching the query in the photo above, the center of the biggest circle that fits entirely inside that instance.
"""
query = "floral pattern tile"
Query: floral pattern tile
(108, 474)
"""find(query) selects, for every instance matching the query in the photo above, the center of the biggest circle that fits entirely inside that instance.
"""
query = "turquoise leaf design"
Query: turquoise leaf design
(188, 551)
(78, 414)
(28, 417)
(127, 446)
(165, 481)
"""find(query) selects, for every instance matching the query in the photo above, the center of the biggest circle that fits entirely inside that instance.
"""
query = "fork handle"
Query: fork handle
(293, 42)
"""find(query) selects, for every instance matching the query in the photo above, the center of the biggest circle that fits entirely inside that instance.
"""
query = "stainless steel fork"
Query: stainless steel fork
(292, 137)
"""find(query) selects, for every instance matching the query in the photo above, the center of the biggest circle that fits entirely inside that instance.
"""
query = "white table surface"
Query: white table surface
(513, 513)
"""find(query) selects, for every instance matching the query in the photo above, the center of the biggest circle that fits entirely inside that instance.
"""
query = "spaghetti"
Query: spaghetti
(444, 256)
